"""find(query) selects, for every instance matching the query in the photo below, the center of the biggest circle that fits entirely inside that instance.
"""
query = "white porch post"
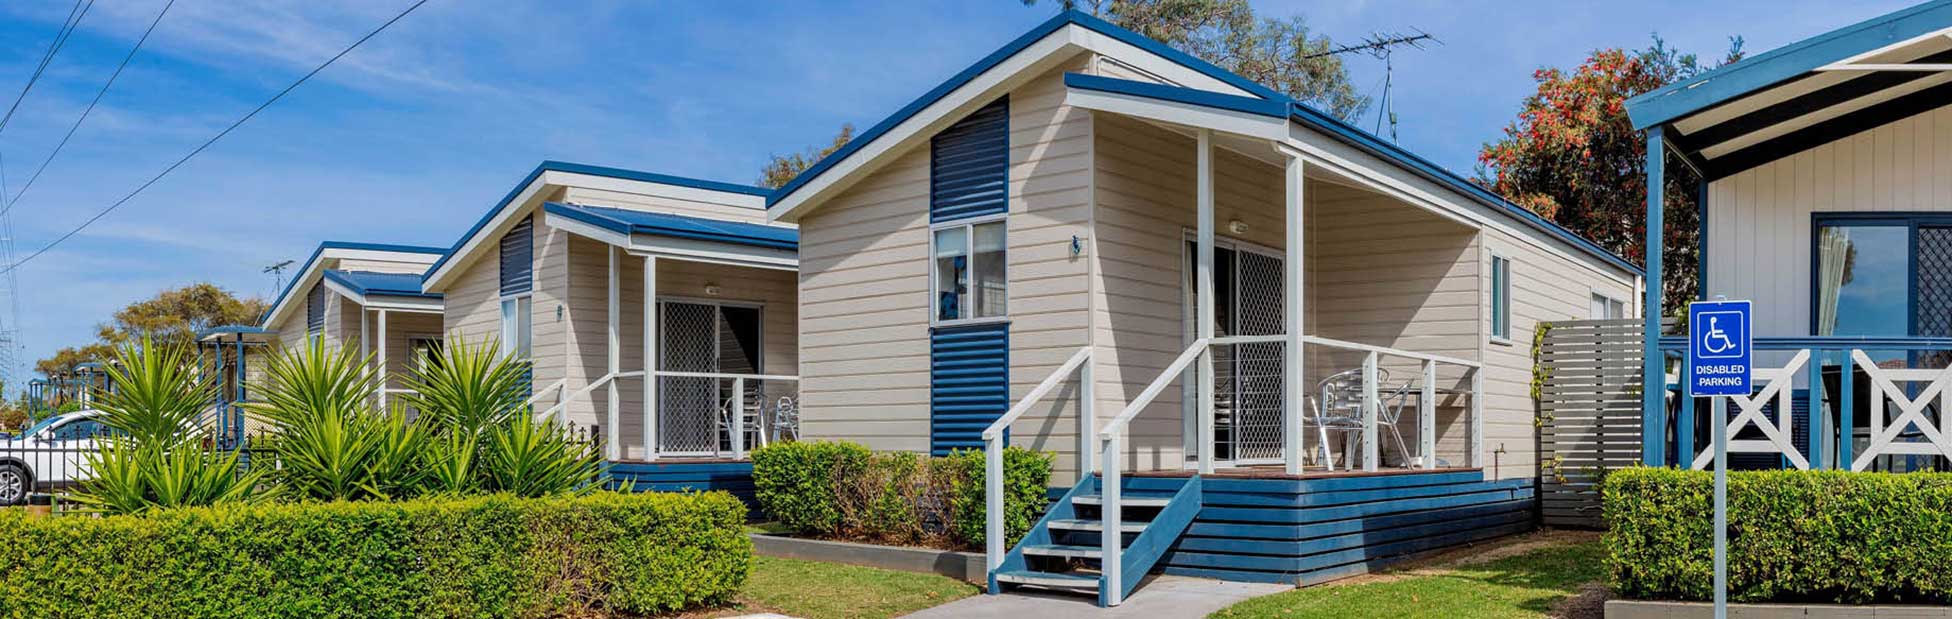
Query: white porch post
(613, 449)
(650, 357)
(1203, 298)
(1371, 452)
(1475, 450)
(1293, 378)
(1427, 417)
(381, 361)
(365, 343)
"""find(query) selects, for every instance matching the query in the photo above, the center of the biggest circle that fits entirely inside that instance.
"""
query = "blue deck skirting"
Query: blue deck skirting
(1307, 531)
(680, 476)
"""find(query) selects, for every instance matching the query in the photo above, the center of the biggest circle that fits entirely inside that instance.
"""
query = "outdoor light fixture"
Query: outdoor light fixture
(711, 290)
(1236, 226)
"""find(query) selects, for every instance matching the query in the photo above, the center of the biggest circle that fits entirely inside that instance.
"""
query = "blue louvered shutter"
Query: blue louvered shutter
(969, 384)
(969, 165)
(315, 309)
(518, 259)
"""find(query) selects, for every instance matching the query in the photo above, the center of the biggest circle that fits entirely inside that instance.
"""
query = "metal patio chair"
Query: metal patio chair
(1338, 408)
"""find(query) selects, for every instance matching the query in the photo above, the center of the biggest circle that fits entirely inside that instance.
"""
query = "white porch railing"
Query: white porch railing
(1777, 386)
(736, 415)
(1911, 405)
(993, 533)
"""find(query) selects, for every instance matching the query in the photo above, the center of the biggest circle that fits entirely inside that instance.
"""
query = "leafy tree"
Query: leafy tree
(172, 318)
(1573, 157)
(1271, 51)
(781, 169)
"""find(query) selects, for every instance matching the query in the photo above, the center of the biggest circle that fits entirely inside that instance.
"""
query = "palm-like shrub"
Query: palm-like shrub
(156, 455)
(317, 401)
(534, 457)
(469, 388)
(159, 396)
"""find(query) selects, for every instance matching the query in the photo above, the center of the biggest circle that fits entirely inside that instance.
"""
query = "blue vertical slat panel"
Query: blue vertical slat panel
(518, 259)
(969, 384)
(969, 165)
(315, 309)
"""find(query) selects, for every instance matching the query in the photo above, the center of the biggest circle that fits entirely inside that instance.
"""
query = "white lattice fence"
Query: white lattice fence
(1911, 392)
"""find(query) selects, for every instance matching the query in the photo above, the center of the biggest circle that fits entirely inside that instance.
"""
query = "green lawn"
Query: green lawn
(1535, 583)
(816, 590)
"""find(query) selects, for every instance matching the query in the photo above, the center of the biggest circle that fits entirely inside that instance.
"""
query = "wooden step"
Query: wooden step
(1124, 500)
(1048, 579)
(1096, 525)
(1063, 550)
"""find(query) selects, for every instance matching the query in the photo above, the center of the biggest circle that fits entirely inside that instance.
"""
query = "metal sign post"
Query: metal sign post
(1720, 360)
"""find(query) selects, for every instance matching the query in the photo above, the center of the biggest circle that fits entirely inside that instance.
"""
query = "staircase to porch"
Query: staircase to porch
(1067, 549)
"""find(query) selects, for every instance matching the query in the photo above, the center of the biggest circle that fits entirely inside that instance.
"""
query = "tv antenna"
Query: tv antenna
(277, 272)
(1382, 45)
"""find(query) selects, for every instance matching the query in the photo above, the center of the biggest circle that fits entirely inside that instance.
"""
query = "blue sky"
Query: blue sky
(413, 136)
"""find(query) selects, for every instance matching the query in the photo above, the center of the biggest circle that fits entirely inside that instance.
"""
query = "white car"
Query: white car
(52, 453)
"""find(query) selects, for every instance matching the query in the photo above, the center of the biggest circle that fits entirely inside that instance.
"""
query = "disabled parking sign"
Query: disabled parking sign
(1719, 352)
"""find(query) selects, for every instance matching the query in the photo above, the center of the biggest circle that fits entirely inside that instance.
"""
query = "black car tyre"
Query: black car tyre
(15, 485)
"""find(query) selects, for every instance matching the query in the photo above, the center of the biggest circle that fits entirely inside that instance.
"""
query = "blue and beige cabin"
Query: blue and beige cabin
(1825, 175)
(1289, 350)
(581, 269)
(361, 294)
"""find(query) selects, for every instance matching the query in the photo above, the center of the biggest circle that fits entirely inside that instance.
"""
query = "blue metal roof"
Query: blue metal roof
(1785, 63)
(317, 253)
(1268, 103)
(1346, 134)
(665, 224)
(593, 170)
(388, 284)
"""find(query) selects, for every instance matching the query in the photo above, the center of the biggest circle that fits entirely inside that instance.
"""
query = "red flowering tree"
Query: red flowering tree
(1573, 157)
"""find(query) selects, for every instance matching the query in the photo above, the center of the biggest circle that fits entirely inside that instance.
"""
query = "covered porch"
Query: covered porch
(1821, 173)
(1269, 319)
(693, 314)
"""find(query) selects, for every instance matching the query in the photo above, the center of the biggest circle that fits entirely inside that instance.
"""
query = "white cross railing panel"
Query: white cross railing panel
(1911, 411)
(1777, 437)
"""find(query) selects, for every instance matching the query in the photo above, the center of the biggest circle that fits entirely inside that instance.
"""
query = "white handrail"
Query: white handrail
(560, 382)
(1029, 399)
(1166, 377)
(604, 380)
(993, 532)
(1393, 352)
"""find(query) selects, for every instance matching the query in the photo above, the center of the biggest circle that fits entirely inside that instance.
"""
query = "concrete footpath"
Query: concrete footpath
(1165, 597)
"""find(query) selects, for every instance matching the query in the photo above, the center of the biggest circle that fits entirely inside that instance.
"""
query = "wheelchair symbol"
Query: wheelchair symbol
(1716, 341)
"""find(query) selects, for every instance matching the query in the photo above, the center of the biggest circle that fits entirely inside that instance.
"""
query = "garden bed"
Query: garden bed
(965, 566)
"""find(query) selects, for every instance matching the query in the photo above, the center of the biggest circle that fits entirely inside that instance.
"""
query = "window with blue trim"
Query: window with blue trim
(1882, 274)
(1500, 298)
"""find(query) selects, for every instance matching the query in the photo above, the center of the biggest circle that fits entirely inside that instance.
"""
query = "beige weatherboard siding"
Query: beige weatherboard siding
(1759, 220)
(1394, 256)
(569, 299)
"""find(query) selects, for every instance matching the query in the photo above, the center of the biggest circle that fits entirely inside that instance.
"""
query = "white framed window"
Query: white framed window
(1500, 298)
(1607, 307)
(969, 271)
(516, 325)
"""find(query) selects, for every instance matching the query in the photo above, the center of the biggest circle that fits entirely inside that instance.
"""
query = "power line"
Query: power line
(213, 139)
(9, 207)
(60, 38)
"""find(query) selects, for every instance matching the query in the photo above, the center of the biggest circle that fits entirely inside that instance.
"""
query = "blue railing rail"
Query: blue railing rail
(1679, 411)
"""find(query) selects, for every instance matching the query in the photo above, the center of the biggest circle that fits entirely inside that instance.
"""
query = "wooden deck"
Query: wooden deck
(1276, 472)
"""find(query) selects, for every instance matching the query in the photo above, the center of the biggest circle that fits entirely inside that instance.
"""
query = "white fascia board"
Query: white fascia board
(579, 228)
(343, 291)
(1172, 112)
(709, 251)
(465, 255)
(1411, 188)
(313, 274)
(393, 303)
(1154, 64)
(409, 257)
(1018, 68)
(659, 190)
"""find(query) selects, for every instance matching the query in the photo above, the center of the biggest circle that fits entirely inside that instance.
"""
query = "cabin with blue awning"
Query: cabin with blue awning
(1261, 344)
(1824, 170)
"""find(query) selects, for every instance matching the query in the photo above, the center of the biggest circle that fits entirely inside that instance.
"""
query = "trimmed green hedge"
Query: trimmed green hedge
(845, 491)
(1802, 536)
(497, 556)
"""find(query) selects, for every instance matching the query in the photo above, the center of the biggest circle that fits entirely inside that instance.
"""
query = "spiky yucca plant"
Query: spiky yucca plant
(535, 457)
(469, 388)
(156, 456)
(328, 435)
(159, 397)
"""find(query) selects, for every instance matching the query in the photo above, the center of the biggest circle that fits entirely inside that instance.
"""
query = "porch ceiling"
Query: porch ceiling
(1806, 94)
